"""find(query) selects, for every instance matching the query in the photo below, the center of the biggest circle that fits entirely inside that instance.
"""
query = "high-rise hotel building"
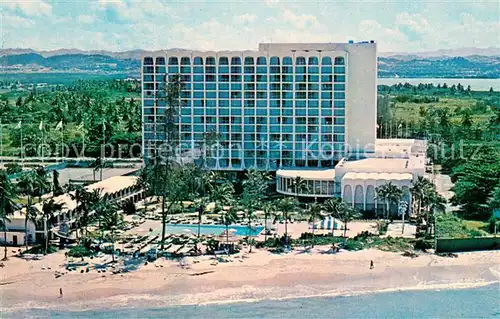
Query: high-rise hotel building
(283, 106)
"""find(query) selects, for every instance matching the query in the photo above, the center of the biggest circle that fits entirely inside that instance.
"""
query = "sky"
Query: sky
(120, 25)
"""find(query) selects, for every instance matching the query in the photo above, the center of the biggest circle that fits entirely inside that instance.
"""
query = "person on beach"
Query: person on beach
(60, 293)
(371, 264)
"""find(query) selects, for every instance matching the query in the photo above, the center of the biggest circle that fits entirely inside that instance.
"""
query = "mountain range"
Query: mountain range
(458, 63)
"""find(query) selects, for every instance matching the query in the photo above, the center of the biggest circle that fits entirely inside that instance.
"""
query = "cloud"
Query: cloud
(415, 26)
(86, 19)
(12, 21)
(245, 18)
(271, 3)
(135, 11)
(28, 8)
(300, 21)
(391, 39)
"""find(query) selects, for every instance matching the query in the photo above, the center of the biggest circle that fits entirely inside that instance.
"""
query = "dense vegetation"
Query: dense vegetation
(462, 128)
(90, 111)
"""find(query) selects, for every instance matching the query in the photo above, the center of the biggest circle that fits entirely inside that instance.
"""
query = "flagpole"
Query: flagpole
(22, 147)
(43, 144)
(1, 140)
(104, 146)
(62, 142)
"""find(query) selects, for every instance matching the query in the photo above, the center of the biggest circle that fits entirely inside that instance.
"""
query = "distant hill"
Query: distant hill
(437, 64)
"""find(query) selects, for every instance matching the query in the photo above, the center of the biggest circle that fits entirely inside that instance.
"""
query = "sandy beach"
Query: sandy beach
(248, 277)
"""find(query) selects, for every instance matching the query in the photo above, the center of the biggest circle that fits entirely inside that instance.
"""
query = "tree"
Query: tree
(286, 206)
(268, 207)
(299, 185)
(111, 221)
(391, 194)
(435, 203)
(48, 209)
(57, 189)
(346, 214)
(27, 185)
(314, 212)
(32, 184)
(418, 191)
(228, 218)
(494, 200)
(474, 180)
(7, 206)
(332, 206)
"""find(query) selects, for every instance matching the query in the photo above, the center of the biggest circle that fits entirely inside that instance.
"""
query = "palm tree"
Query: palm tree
(345, 214)
(7, 207)
(391, 194)
(268, 207)
(48, 210)
(433, 202)
(27, 185)
(111, 220)
(286, 206)
(299, 185)
(222, 193)
(57, 189)
(250, 216)
(228, 218)
(332, 205)
(201, 209)
(314, 212)
(417, 191)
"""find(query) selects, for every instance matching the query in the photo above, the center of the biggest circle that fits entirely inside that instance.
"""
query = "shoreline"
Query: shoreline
(260, 277)
(145, 298)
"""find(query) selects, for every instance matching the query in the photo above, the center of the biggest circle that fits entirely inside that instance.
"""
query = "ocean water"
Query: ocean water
(483, 302)
(475, 84)
(238, 230)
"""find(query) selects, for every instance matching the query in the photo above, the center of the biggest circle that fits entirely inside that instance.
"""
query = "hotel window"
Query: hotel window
(261, 60)
(249, 60)
(339, 61)
(198, 61)
(148, 61)
(173, 61)
(160, 61)
(300, 60)
(313, 60)
(326, 60)
(339, 69)
(210, 60)
(223, 61)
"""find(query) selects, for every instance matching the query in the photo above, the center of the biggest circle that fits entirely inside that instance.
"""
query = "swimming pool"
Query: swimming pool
(238, 230)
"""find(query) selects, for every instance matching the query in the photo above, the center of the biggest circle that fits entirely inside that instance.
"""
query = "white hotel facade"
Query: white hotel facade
(305, 110)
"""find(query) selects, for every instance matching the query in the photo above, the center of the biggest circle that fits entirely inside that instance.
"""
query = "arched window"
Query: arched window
(249, 60)
(210, 60)
(300, 60)
(148, 60)
(185, 61)
(173, 61)
(326, 60)
(274, 60)
(160, 60)
(287, 60)
(261, 60)
(313, 60)
(339, 61)
(235, 60)
(198, 61)
(223, 61)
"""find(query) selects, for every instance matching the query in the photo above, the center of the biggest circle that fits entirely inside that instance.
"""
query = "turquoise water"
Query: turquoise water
(475, 84)
(213, 229)
(481, 302)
